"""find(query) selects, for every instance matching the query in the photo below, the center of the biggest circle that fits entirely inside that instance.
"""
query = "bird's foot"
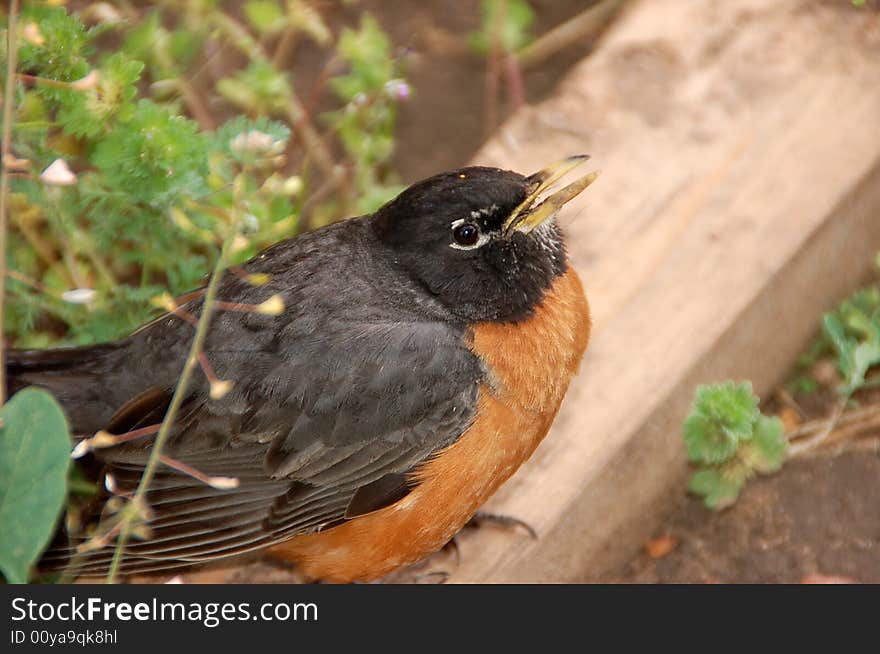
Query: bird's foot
(437, 577)
(481, 518)
(451, 550)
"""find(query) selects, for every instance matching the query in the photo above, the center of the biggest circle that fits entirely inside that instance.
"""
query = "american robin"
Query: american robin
(422, 355)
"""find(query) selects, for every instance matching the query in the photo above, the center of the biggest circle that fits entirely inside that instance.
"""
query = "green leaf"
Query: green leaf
(864, 356)
(722, 416)
(512, 26)
(259, 89)
(62, 53)
(87, 113)
(34, 455)
(834, 331)
(852, 331)
(265, 16)
(802, 385)
(717, 490)
(307, 19)
(766, 451)
(155, 156)
(367, 51)
(149, 41)
(705, 442)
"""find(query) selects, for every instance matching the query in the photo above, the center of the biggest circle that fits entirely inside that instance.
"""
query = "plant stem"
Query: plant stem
(853, 416)
(513, 77)
(800, 447)
(195, 105)
(176, 402)
(493, 69)
(34, 239)
(79, 243)
(239, 36)
(296, 114)
(311, 139)
(283, 46)
(586, 24)
(63, 229)
(8, 100)
(189, 94)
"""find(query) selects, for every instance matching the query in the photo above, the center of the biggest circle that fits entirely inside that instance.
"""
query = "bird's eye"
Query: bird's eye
(466, 235)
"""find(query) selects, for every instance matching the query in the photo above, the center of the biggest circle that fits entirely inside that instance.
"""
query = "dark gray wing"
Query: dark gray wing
(334, 404)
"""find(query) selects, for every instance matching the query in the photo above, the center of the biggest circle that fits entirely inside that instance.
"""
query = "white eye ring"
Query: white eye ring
(482, 238)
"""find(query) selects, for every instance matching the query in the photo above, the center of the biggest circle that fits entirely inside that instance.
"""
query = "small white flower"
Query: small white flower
(397, 89)
(256, 143)
(58, 174)
(79, 295)
(250, 223)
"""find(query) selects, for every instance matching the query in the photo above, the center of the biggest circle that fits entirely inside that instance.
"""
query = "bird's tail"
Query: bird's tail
(80, 378)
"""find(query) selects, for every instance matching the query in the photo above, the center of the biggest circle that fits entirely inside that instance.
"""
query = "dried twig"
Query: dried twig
(840, 427)
(859, 415)
(221, 483)
(104, 439)
(796, 449)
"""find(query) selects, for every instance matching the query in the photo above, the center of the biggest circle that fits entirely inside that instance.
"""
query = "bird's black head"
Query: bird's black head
(478, 240)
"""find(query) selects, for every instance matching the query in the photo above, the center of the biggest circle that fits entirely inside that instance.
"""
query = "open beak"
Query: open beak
(528, 215)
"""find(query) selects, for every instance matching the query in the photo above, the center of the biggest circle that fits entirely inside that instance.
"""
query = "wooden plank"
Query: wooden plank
(740, 144)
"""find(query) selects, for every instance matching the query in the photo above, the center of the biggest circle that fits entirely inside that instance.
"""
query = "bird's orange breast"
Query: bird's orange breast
(531, 364)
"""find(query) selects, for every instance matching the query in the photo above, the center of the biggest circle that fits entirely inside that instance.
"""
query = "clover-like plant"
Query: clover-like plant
(729, 440)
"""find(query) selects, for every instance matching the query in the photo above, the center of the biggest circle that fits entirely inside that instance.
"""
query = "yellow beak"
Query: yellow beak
(528, 215)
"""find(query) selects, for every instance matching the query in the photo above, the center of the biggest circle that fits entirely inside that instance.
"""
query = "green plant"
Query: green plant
(34, 457)
(369, 88)
(503, 32)
(853, 332)
(128, 176)
(729, 440)
(851, 335)
(122, 179)
(506, 24)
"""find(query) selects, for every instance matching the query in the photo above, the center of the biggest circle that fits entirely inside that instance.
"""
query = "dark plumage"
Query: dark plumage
(366, 374)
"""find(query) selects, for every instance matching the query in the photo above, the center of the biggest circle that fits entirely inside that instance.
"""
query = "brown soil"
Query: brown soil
(818, 518)
(815, 521)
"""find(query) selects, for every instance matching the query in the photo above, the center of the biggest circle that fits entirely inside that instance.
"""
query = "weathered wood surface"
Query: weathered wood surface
(740, 197)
